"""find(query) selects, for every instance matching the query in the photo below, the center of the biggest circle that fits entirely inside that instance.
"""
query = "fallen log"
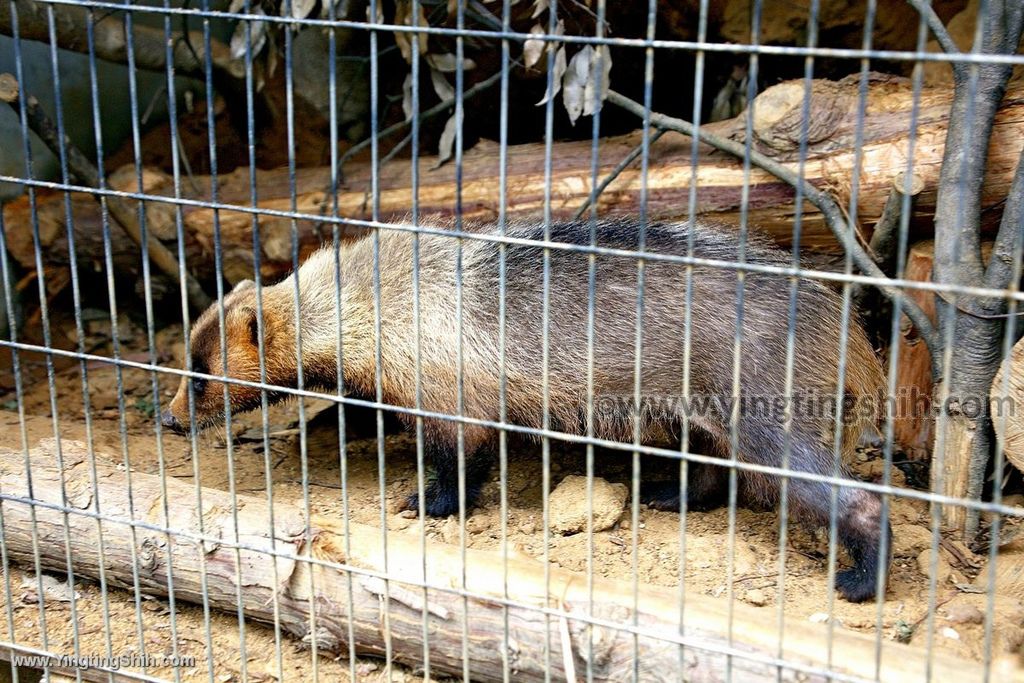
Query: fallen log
(388, 615)
(832, 145)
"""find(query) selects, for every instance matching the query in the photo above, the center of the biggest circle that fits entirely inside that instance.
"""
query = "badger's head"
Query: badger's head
(241, 335)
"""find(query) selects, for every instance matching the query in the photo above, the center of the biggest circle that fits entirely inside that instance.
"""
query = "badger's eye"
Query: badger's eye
(198, 383)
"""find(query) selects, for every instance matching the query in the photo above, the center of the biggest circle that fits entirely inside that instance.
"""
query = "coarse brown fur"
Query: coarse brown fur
(758, 433)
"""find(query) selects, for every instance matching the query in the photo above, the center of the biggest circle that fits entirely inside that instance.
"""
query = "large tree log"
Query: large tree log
(777, 128)
(392, 612)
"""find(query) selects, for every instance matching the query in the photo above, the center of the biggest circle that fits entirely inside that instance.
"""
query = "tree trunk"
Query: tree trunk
(389, 615)
(972, 325)
(720, 181)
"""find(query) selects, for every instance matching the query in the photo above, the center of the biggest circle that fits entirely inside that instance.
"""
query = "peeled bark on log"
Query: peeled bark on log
(777, 128)
(914, 427)
(396, 607)
(1004, 401)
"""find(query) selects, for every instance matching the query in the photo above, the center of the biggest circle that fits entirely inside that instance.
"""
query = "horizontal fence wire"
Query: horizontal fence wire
(556, 615)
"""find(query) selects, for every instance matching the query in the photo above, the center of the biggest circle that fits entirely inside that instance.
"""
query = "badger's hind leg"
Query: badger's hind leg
(441, 446)
(858, 525)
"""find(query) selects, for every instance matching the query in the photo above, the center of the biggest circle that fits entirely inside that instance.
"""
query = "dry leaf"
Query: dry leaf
(258, 36)
(533, 49)
(574, 82)
(538, 7)
(407, 97)
(300, 8)
(448, 63)
(442, 87)
(602, 60)
(380, 14)
(556, 82)
(403, 15)
(446, 148)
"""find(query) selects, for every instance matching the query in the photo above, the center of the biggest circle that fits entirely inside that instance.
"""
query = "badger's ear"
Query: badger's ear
(245, 321)
(243, 285)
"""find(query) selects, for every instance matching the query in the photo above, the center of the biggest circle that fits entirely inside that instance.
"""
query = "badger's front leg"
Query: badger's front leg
(441, 446)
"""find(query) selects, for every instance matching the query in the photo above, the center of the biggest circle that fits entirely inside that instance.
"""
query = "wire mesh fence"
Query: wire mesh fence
(525, 362)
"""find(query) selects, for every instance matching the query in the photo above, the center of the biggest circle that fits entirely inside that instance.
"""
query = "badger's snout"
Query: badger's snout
(168, 420)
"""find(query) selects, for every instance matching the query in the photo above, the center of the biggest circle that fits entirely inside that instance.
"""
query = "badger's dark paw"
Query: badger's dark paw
(662, 495)
(856, 584)
(441, 501)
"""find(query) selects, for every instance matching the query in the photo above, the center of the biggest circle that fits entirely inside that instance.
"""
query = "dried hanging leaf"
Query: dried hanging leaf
(556, 81)
(380, 14)
(236, 6)
(258, 36)
(602, 60)
(447, 62)
(300, 8)
(407, 97)
(446, 147)
(538, 7)
(532, 48)
(442, 87)
(575, 81)
(403, 15)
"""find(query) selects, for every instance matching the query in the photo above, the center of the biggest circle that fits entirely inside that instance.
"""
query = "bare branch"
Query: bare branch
(1011, 232)
(884, 236)
(619, 168)
(402, 125)
(83, 169)
(938, 29)
(830, 211)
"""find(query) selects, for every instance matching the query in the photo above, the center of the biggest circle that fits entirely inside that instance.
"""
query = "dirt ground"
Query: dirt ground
(957, 597)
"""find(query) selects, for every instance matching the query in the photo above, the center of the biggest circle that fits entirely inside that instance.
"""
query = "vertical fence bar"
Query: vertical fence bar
(737, 356)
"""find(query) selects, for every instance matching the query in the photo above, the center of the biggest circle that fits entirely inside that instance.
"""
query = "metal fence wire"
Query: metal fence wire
(561, 432)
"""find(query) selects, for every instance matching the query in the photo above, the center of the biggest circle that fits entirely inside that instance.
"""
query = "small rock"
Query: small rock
(961, 613)
(568, 504)
(818, 618)
(408, 514)
(756, 597)
(477, 524)
(947, 632)
(528, 527)
(366, 668)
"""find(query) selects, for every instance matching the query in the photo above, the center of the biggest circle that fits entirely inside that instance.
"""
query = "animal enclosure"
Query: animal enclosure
(506, 340)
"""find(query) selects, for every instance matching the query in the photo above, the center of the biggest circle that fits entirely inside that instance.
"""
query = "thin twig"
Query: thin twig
(87, 174)
(830, 211)
(938, 29)
(622, 165)
(402, 125)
